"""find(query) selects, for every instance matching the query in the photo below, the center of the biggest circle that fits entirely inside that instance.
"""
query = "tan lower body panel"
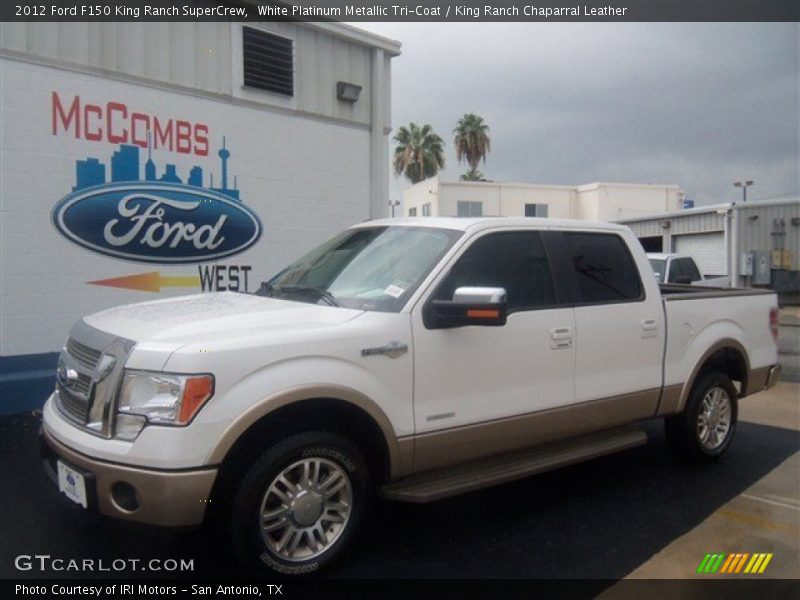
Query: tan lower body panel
(757, 380)
(670, 400)
(165, 498)
(436, 485)
(472, 442)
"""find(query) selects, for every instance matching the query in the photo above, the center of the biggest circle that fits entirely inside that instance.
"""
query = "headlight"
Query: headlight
(164, 398)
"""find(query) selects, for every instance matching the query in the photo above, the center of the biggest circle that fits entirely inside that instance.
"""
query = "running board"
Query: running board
(443, 483)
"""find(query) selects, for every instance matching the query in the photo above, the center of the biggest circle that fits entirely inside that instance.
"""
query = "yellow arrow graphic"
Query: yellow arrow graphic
(149, 282)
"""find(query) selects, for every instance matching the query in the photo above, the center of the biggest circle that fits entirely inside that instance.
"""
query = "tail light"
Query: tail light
(773, 322)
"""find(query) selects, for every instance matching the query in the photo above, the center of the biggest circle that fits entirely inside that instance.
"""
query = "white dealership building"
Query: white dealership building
(144, 160)
(594, 201)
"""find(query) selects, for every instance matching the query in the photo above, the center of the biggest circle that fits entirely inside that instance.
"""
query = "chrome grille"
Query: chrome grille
(73, 406)
(76, 397)
(85, 356)
(89, 373)
(83, 386)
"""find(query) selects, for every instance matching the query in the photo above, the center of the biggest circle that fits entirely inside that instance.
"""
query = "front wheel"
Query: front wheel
(300, 504)
(704, 430)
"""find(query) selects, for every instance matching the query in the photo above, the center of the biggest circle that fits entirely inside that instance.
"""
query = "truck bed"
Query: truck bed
(676, 291)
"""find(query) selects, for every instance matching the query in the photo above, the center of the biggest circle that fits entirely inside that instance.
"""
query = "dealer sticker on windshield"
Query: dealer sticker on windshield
(72, 484)
(396, 289)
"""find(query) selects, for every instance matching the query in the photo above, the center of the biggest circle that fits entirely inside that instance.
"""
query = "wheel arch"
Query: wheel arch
(330, 408)
(727, 356)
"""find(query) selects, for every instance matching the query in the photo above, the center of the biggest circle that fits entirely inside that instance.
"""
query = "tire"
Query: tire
(702, 433)
(314, 489)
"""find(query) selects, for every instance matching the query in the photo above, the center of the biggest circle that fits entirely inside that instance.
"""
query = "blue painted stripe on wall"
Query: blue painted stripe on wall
(26, 380)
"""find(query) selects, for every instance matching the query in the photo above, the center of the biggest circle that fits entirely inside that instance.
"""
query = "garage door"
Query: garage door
(708, 250)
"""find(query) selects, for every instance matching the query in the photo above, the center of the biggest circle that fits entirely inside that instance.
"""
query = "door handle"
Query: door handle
(649, 324)
(560, 337)
(649, 328)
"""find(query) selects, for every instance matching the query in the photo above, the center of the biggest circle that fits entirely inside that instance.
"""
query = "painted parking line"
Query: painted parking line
(790, 503)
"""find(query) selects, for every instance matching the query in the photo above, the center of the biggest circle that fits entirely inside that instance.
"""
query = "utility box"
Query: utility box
(762, 265)
(746, 264)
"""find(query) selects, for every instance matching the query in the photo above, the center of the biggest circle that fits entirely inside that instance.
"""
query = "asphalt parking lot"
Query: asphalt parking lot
(634, 514)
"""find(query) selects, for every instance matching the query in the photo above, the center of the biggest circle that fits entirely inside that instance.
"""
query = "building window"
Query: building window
(536, 210)
(412, 212)
(268, 61)
(470, 209)
(426, 210)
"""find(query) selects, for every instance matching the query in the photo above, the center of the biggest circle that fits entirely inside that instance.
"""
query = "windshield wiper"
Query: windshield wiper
(320, 293)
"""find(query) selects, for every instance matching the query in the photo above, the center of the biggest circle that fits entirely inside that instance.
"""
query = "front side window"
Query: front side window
(369, 268)
(516, 261)
(604, 268)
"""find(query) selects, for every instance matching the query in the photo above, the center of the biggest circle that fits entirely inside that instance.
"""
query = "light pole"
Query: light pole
(744, 185)
(393, 204)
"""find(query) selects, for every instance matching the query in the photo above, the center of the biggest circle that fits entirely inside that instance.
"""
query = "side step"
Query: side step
(442, 483)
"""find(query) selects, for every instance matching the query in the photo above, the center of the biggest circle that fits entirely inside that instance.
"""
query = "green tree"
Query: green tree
(472, 143)
(419, 152)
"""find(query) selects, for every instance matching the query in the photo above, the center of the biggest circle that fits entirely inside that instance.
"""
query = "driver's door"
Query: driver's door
(465, 377)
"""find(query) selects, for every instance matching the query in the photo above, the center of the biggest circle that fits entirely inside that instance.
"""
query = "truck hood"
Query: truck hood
(189, 319)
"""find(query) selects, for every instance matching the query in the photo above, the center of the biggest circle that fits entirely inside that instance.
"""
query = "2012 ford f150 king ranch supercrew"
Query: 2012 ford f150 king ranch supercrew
(418, 358)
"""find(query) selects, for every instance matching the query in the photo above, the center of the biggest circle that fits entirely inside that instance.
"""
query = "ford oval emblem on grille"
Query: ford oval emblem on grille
(156, 222)
(66, 376)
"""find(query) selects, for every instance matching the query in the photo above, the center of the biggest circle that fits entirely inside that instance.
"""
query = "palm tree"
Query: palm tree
(419, 153)
(472, 141)
(473, 175)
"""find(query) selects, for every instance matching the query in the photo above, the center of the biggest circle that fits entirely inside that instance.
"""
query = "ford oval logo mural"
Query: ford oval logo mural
(154, 220)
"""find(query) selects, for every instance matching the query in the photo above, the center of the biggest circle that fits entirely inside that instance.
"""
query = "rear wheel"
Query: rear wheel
(704, 430)
(300, 504)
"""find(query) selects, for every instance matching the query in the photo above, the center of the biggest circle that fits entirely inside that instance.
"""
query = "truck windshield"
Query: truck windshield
(369, 268)
(659, 266)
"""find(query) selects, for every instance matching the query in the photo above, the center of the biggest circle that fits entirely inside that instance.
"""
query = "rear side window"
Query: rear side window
(516, 261)
(604, 268)
(689, 269)
(675, 271)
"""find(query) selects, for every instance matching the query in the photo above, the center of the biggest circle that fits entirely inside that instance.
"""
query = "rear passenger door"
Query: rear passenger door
(619, 330)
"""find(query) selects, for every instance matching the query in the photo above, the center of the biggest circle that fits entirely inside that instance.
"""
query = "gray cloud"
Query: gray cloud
(699, 105)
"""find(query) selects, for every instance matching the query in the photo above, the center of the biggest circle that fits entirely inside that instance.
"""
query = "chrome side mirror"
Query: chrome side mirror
(484, 306)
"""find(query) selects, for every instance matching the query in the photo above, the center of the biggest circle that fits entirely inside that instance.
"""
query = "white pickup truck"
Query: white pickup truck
(417, 358)
(682, 268)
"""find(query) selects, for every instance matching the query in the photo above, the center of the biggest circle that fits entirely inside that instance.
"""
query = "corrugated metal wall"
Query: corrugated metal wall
(689, 223)
(205, 57)
(771, 227)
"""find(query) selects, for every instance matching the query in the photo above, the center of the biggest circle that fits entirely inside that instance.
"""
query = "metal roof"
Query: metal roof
(718, 208)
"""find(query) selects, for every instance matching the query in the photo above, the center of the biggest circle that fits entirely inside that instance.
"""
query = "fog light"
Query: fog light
(124, 496)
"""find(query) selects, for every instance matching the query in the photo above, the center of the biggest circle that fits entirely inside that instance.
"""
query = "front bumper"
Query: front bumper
(160, 497)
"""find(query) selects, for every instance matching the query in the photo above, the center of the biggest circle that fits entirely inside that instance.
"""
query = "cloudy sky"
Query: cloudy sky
(698, 105)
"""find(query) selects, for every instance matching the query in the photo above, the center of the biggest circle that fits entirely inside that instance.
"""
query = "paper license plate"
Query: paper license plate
(72, 484)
